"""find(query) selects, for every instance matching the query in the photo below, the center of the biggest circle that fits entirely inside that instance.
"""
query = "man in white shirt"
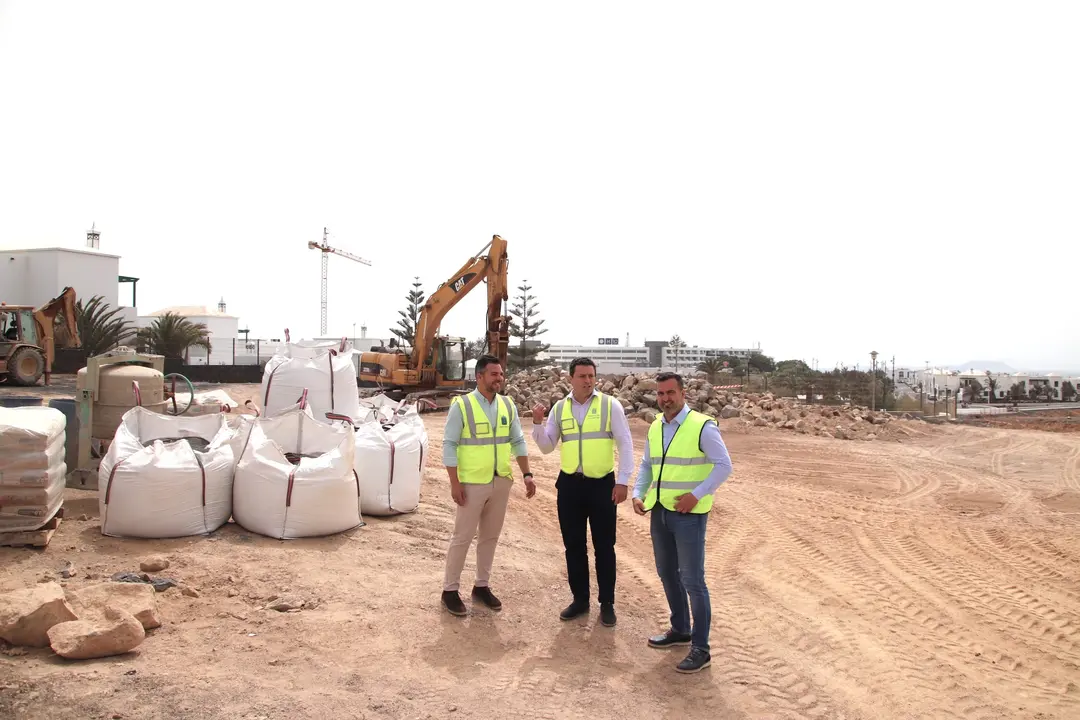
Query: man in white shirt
(590, 425)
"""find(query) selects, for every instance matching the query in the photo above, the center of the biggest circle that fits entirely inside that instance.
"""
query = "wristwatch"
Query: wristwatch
(526, 475)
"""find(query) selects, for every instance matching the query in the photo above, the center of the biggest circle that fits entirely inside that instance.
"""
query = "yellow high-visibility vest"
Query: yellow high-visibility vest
(483, 451)
(682, 467)
(590, 446)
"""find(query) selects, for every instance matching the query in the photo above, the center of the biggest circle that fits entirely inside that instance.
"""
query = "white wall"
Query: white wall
(33, 277)
(222, 330)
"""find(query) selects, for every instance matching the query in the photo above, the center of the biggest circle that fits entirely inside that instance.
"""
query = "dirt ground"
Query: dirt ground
(937, 577)
(1066, 421)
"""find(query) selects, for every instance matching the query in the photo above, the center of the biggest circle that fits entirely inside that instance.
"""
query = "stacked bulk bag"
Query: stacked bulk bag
(295, 477)
(32, 469)
(166, 476)
(325, 370)
(391, 448)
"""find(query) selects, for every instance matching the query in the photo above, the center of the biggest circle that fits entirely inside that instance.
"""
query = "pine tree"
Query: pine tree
(525, 328)
(410, 315)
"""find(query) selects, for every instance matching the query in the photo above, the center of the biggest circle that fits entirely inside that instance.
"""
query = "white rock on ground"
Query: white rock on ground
(138, 599)
(27, 615)
(115, 633)
(637, 394)
(154, 564)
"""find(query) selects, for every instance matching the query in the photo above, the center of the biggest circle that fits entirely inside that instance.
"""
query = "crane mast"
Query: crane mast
(325, 249)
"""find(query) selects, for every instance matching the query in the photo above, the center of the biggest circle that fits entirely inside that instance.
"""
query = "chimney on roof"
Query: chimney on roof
(93, 237)
(221, 305)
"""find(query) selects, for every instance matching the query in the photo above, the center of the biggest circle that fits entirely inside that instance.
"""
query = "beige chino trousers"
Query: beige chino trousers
(484, 509)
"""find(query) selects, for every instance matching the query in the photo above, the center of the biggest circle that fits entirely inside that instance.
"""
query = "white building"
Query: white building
(223, 330)
(654, 355)
(33, 276)
(936, 381)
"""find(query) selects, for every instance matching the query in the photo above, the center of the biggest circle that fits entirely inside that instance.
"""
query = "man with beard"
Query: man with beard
(482, 432)
(685, 461)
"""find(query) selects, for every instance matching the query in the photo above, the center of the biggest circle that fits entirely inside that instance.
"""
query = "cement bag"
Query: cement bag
(390, 460)
(296, 477)
(30, 429)
(32, 470)
(166, 476)
(326, 371)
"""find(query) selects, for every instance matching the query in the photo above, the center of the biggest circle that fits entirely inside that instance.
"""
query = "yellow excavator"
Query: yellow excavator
(435, 367)
(28, 338)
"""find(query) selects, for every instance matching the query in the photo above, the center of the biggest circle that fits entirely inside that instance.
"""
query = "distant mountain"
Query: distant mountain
(991, 365)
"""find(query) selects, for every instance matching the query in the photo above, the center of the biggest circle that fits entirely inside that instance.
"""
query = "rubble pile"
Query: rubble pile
(636, 393)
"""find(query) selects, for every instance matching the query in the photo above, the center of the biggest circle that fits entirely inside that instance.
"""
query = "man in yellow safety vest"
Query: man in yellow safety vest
(590, 425)
(482, 432)
(685, 461)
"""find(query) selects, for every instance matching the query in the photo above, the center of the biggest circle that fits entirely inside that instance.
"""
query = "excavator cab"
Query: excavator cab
(451, 364)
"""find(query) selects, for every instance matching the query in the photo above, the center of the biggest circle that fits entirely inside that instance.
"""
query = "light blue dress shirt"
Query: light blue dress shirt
(711, 444)
(454, 423)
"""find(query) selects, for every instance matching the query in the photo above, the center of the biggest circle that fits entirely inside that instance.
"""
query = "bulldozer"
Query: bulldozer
(28, 338)
(434, 369)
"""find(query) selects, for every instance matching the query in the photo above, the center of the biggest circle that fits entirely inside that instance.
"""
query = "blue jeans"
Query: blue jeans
(679, 548)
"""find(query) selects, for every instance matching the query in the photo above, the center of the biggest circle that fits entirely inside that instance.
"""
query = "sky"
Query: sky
(823, 179)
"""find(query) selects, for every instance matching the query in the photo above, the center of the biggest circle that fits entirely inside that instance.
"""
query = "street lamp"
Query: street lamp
(988, 390)
(873, 381)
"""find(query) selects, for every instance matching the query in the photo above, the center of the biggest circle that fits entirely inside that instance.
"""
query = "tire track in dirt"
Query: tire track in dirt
(992, 542)
(1028, 681)
(1012, 618)
(875, 602)
(1070, 470)
(741, 660)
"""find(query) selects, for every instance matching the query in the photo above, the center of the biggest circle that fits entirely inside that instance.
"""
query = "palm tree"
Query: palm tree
(99, 327)
(711, 367)
(171, 335)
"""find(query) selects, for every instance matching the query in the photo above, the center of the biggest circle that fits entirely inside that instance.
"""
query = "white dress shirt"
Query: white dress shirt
(547, 434)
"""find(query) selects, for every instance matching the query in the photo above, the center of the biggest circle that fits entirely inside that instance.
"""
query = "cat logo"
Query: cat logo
(459, 284)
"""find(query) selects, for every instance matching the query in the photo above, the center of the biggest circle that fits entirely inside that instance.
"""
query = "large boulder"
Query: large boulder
(139, 599)
(27, 615)
(114, 633)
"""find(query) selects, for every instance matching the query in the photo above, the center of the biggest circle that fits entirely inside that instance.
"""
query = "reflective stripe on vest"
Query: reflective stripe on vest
(590, 446)
(482, 452)
(679, 468)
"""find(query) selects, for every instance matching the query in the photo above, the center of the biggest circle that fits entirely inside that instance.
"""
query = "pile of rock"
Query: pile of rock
(637, 394)
(97, 621)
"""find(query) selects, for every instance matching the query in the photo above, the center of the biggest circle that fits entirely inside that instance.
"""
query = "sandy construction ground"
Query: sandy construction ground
(934, 578)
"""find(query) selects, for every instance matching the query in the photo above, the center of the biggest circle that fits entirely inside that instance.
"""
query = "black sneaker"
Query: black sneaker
(574, 610)
(696, 661)
(483, 594)
(668, 639)
(607, 614)
(452, 601)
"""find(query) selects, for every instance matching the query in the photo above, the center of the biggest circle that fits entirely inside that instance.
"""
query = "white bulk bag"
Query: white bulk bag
(319, 495)
(325, 370)
(153, 485)
(390, 457)
(32, 470)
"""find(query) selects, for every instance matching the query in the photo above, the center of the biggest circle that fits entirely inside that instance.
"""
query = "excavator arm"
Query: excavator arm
(492, 268)
(429, 370)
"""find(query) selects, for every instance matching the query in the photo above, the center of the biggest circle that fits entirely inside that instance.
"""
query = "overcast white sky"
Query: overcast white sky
(824, 179)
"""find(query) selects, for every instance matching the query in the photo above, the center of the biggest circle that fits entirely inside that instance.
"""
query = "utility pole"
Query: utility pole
(873, 379)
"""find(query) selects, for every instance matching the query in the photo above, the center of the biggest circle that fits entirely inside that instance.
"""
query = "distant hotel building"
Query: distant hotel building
(654, 355)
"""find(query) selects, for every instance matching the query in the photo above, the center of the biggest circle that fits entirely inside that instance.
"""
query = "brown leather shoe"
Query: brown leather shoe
(483, 594)
(452, 601)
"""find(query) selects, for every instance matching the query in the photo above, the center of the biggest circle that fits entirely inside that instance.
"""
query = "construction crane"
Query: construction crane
(326, 250)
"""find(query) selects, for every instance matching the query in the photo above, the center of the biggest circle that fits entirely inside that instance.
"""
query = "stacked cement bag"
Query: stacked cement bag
(295, 477)
(325, 370)
(166, 476)
(32, 469)
(391, 447)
